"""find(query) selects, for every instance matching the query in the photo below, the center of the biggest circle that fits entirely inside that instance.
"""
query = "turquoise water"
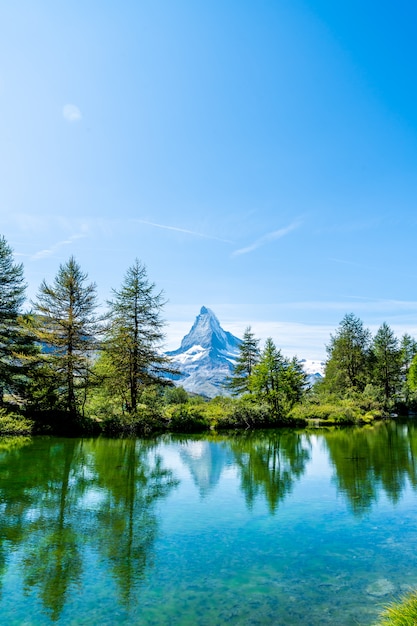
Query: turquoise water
(276, 527)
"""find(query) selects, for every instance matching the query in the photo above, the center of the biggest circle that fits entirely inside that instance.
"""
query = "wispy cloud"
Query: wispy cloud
(71, 113)
(183, 230)
(42, 254)
(272, 236)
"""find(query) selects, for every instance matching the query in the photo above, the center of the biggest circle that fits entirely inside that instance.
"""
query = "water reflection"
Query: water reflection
(127, 525)
(373, 460)
(269, 463)
(102, 518)
(58, 496)
(206, 461)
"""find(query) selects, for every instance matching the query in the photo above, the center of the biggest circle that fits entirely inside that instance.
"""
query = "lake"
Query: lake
(274, 527)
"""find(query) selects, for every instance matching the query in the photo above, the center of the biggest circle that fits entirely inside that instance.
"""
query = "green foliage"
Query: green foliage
(143, 422)
(14, 424)
(176, 395)
(67, 327)
(348, 352)
(132, 345)
(245, 413)
(408, 347)
(412, 375)
(332, 409)
(123, 385)
(248, 358)
(277, 381)
(188, 418)
(386, 362)
(149, 416)
(401, 613)
(15, 339)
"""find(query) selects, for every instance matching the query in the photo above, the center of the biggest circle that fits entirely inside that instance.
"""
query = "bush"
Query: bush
(14, 424)
(335, 411)
(187, 418)
(147, 419)
(245, 414)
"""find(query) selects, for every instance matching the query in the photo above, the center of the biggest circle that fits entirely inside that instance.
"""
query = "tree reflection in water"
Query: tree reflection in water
(132, 481)
(74, 511)
(373, 459)
(269, 463)
(59, 497)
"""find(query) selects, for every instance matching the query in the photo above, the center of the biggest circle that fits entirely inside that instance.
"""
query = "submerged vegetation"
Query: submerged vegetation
(66, 369)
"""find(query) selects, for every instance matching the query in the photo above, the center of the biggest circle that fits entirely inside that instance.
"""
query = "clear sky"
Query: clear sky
(260, 157)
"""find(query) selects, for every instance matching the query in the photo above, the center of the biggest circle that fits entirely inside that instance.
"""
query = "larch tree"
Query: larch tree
(67, 327)
(135, 334)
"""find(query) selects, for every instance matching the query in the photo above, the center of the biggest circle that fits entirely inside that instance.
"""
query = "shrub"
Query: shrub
(187, 418)
(14, 424)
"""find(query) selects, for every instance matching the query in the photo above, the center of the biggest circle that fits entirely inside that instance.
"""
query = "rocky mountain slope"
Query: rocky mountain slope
(207, 356)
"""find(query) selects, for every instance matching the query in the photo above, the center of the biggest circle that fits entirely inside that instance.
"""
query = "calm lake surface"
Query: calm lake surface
(277, 527)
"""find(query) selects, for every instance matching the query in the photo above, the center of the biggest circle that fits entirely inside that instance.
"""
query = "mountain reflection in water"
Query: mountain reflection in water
(254, 527)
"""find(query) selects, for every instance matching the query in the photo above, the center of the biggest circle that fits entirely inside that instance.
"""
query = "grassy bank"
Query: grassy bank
(401, 613)
(194, 414)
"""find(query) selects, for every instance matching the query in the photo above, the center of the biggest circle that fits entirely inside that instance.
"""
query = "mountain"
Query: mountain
(313, 369)
(206, 357)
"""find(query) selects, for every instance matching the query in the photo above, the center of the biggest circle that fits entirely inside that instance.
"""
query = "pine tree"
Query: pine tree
(266, 381)
(408, 347)
(132, 346)
(15, 341)
(386, 362)
(348, 364)
(67, 327)
(249, 354)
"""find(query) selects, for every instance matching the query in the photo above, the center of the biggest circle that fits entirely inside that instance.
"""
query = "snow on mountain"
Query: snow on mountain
(207, 333)
(313, 369)
(207, 356)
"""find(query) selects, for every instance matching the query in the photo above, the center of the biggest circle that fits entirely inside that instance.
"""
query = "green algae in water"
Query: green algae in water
(280, 527)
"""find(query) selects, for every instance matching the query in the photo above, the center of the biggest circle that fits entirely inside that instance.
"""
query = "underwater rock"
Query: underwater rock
(381, 587)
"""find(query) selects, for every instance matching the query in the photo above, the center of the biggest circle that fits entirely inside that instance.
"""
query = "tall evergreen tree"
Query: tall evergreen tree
(276, 380)
(348, 363)
(15, 341)
(67, 327)
(408, 347)
(132, 346)
(249, 354)
(386, 362)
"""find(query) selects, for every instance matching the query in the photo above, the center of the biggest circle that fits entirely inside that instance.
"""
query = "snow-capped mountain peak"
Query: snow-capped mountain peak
(207, 333)
(206, 356)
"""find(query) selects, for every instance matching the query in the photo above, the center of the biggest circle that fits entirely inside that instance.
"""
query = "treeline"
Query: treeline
(63, 364)
(365, 377)
(66, 366)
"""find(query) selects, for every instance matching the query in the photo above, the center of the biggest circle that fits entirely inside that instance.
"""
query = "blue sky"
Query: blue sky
(259, 157)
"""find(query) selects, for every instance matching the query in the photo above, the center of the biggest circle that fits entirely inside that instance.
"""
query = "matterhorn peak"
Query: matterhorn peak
(206, 355)
(207, 333)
